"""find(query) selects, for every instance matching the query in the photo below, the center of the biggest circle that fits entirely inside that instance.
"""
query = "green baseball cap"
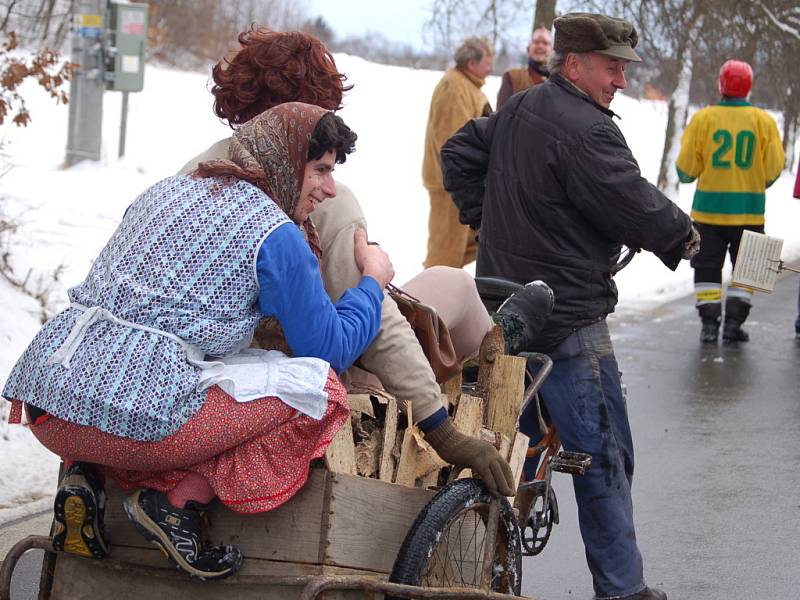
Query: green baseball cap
(591, 32)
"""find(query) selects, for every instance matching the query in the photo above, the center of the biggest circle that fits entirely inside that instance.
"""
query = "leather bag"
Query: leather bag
(431, 332)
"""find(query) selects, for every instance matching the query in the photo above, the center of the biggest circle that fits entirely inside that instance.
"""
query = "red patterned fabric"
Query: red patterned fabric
(255, 455)
(15, 415)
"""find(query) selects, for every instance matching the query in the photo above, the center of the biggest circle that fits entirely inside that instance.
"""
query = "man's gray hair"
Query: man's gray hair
(473, 48)
(556, 62)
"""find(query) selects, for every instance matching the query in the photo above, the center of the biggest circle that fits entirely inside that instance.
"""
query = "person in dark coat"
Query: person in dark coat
(555, 191)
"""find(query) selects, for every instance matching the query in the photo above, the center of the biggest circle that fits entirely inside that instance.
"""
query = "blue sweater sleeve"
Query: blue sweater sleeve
(291, 290)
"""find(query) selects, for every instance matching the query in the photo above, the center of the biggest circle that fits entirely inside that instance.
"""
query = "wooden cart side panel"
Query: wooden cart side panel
(368, 521)
(289, 533)
(82, 579)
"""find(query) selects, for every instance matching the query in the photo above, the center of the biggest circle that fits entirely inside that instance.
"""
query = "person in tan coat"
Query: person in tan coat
(522, 78)
(456, 99)
(261, 75)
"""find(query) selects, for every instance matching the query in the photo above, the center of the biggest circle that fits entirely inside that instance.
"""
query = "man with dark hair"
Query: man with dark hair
(555, 191)
(735, 152)
(522, 78)
(456, 99)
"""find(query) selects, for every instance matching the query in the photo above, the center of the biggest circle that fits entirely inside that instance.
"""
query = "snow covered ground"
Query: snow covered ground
(65, 216)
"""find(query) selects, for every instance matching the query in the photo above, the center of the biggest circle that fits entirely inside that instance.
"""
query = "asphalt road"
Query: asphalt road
(717, 436)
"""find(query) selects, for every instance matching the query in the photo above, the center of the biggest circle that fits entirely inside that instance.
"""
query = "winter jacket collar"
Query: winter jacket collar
(539, 68)
(731, 101)
(570, 87)
(476, 81)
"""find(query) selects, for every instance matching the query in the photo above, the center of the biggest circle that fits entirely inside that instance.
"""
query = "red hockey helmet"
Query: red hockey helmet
(735, 79)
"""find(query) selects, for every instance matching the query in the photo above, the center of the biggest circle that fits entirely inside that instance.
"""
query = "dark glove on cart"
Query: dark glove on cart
(483, 458)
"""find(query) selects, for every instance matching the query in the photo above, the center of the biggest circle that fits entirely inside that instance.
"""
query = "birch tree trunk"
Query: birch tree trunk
(676, 114)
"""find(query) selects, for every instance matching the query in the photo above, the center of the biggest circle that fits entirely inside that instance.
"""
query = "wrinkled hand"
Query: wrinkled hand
(692, 245)
(483, 458)
(372, 260)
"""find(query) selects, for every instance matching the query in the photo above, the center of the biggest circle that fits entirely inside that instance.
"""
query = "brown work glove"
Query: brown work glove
(483, 458)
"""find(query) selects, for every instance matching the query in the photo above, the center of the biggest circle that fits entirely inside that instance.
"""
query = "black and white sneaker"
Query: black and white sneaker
(178, 533)
(78, 513)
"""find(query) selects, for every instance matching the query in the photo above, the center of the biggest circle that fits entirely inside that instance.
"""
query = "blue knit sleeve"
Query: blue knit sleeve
(291, 290)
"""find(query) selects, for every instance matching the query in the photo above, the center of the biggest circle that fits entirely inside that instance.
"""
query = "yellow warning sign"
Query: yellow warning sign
(90, 20)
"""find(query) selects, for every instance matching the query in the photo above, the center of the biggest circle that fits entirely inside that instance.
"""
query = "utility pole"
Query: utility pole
(85, 130)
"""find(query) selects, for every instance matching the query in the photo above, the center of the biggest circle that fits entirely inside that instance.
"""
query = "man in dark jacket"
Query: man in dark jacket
(555, 191)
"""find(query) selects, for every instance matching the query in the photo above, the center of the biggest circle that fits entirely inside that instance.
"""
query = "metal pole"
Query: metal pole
(84, 134)
(123, 124)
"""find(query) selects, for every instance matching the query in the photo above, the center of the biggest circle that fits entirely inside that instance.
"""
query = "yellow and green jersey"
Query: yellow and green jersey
(735, 150)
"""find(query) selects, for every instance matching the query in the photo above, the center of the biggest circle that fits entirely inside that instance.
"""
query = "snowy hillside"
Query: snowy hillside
(65, 216)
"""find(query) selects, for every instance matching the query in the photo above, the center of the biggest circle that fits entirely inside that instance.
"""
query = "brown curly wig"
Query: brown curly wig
(272, 68)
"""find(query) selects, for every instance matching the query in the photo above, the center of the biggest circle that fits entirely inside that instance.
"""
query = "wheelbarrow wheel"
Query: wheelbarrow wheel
(445, 546)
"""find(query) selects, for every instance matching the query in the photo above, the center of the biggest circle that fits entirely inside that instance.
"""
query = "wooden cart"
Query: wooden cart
(339, 537)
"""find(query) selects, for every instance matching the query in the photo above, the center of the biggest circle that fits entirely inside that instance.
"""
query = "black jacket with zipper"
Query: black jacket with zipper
(554, 190)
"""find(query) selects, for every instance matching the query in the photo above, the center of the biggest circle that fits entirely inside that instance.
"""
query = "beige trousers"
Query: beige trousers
(450, 243)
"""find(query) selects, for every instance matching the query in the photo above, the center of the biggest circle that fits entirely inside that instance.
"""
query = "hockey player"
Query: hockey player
(735, 152)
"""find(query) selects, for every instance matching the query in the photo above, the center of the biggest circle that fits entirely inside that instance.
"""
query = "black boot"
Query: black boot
(178, 532)
(78, 512)
(710, 331)
(732, 332)
(647, 593)
(737, 310)
(710, 315)
(523, 315)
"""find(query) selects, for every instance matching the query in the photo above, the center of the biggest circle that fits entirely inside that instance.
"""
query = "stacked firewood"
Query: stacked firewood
(378, 443)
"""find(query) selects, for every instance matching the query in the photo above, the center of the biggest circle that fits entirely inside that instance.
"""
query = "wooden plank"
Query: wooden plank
(427, 461)
(516, 459)
(340, 457)
(407, 467)
(430, 481)
(361, 403)
(260, 535)
(452, 388)
(469, 415)
(77, 578)
(368, 521)
(492, 346)
(504, 395)
(387, 462)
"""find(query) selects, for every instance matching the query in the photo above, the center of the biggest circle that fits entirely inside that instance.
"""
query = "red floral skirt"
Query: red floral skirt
(254, 455)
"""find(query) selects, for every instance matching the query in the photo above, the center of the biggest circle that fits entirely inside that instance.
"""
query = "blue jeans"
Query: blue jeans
(583, 397)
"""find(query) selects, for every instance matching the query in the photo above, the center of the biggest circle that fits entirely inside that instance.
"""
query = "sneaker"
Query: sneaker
(733, 332)
(647, 593)
(177, 532)
(710, 332)
(523, 315)
(78, 511)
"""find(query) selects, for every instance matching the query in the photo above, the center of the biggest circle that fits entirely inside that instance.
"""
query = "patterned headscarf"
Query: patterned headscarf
(271, 151)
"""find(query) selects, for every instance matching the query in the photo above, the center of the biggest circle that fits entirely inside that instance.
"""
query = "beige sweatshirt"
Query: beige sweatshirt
(394, 357)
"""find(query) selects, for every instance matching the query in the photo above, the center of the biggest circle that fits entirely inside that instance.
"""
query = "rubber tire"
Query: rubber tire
(450, 502)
